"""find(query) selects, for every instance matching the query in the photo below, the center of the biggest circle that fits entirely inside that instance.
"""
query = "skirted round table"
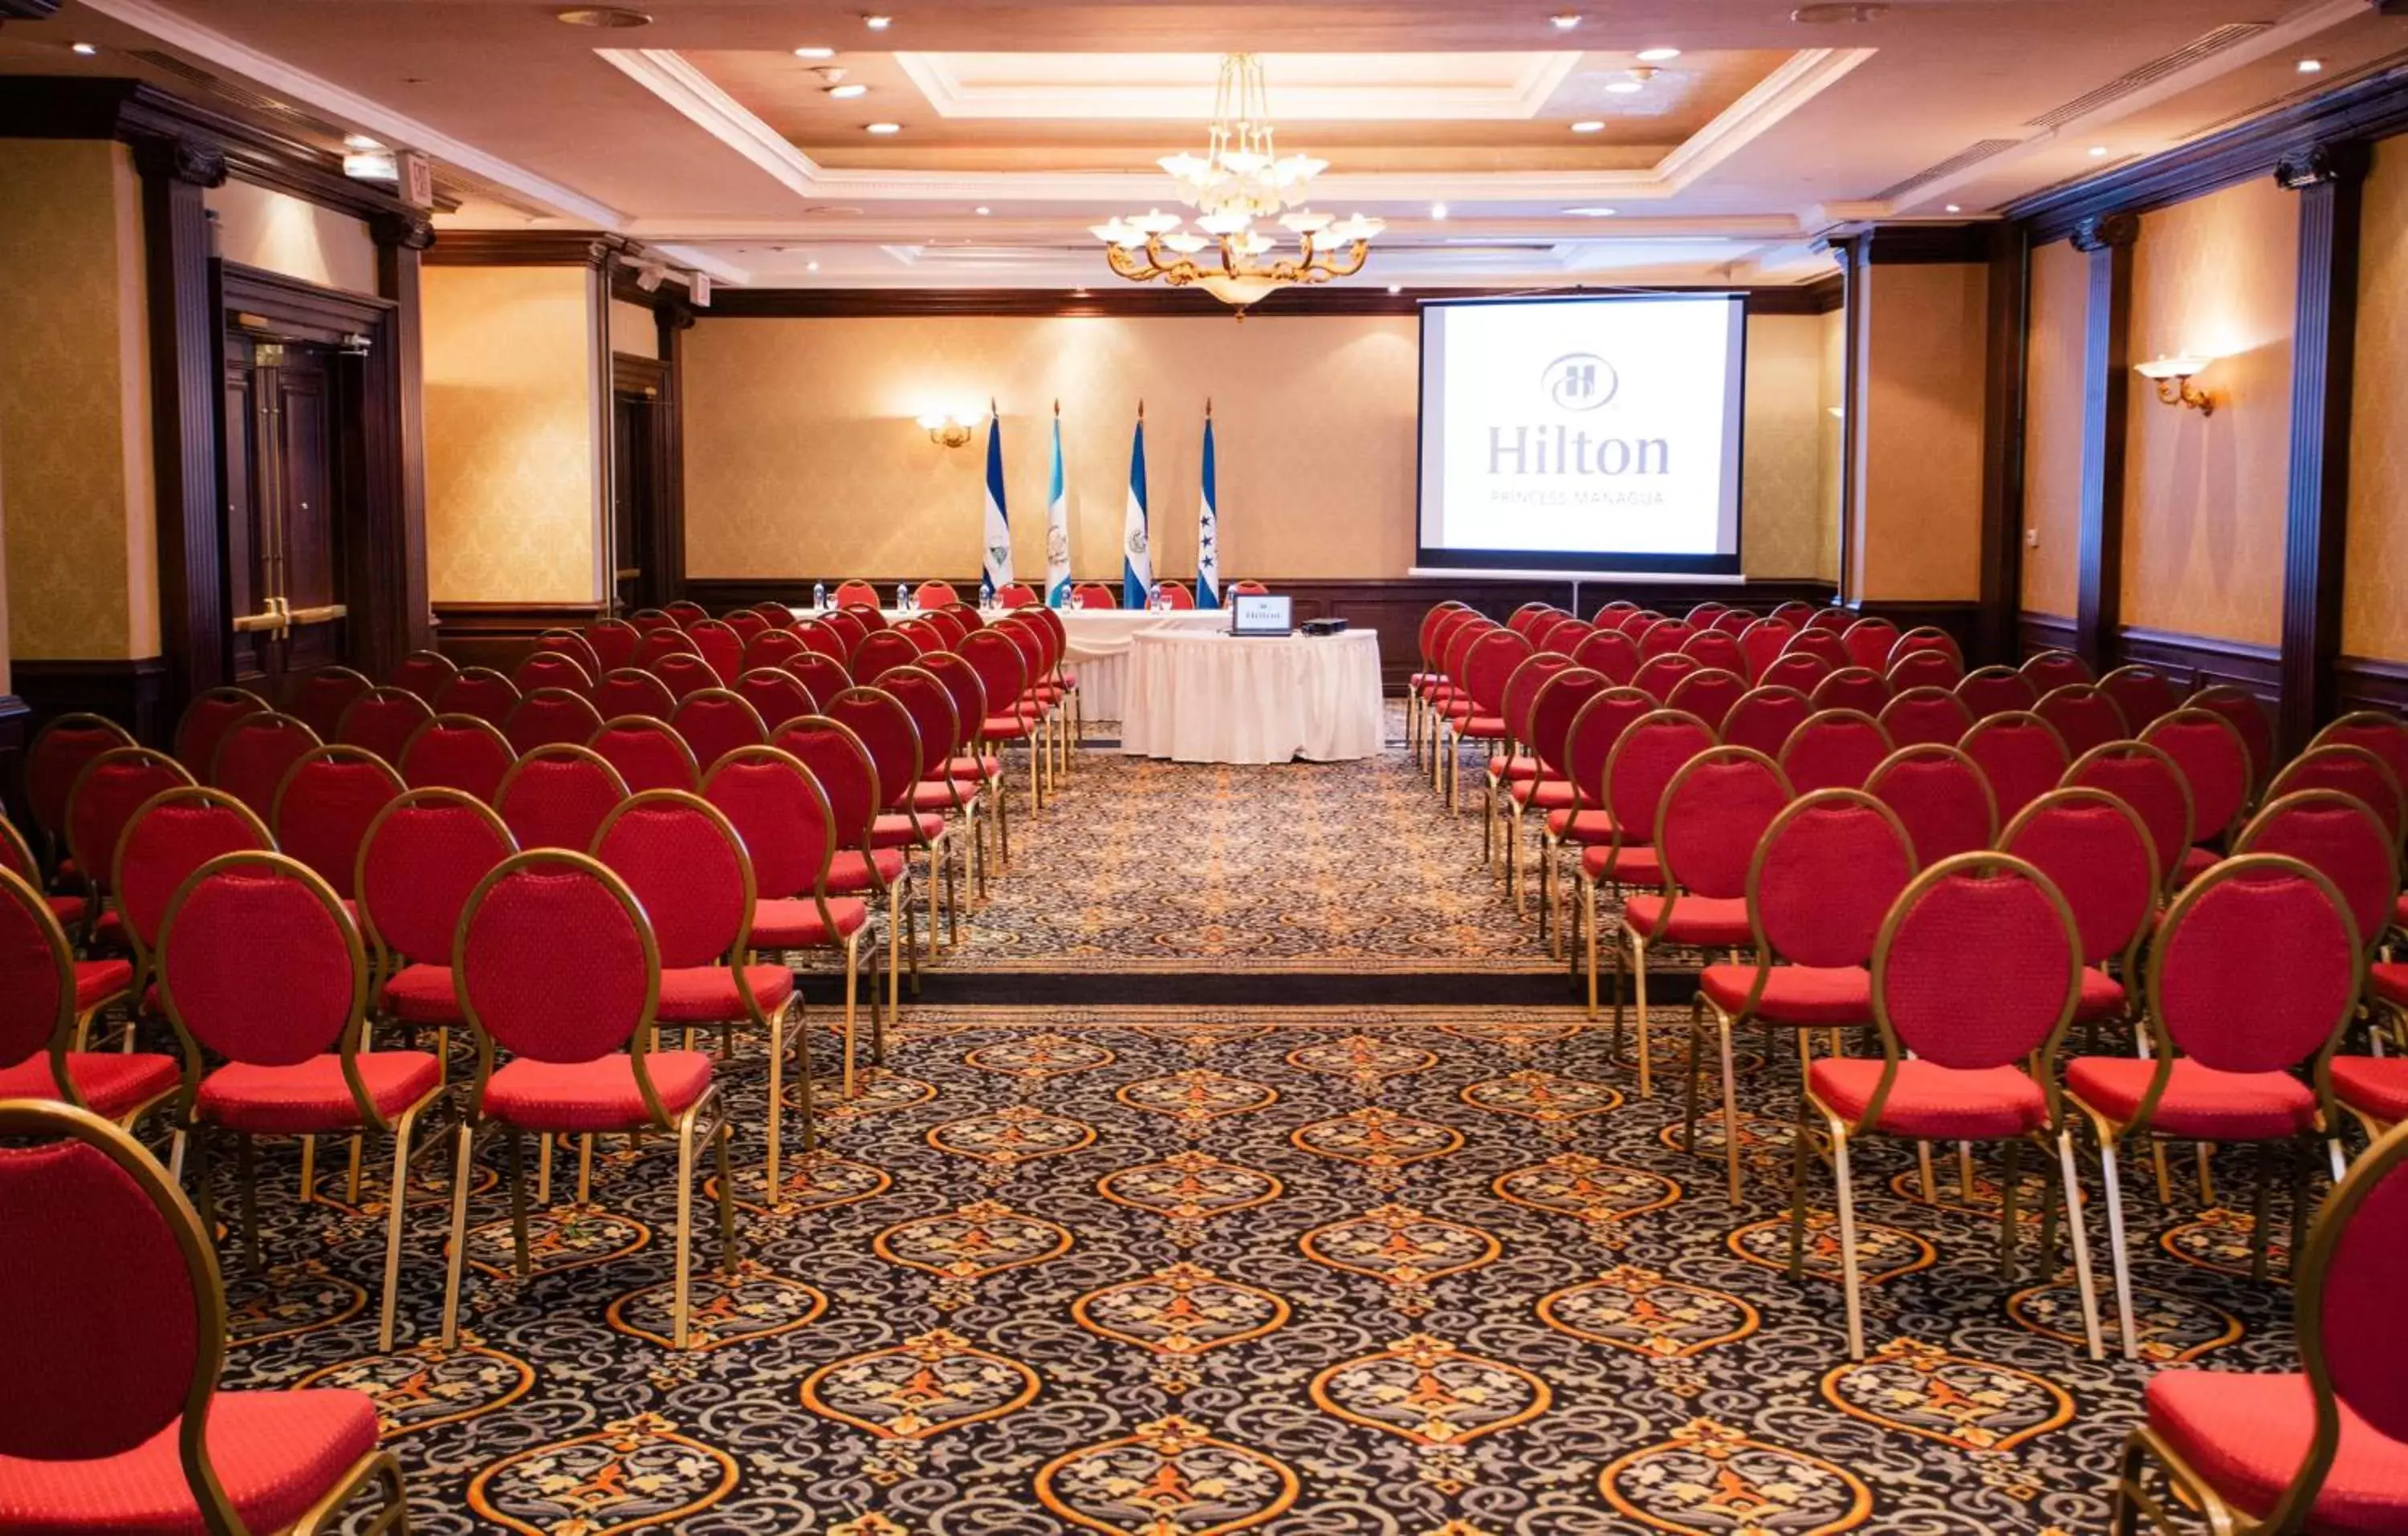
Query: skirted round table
(1216, 697)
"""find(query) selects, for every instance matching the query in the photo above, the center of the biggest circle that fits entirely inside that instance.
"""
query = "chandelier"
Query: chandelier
(1239, 179)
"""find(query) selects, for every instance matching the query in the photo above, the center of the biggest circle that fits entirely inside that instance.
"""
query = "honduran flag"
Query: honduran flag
(1208, 529)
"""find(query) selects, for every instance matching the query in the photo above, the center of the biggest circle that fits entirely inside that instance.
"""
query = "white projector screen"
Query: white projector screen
(1596, 433)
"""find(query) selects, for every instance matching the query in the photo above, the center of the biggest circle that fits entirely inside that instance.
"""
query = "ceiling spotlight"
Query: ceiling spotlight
(2098, 152)
(609, 18)
(883, 128)
(811, 266)
(1590, 212)
(87, 49)
(877, 24)
(1955, 208)
(1588, 125)
(1622, 88)
(1396, 288)
(1438, 210)
(2307, 66)
(846, 92)
(982, 210)
(1658, 55)
(361, 141)
(815, 53)
(1565, 20)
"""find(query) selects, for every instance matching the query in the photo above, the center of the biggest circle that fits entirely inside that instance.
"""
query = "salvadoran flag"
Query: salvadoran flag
(1136, 560)
(997, 571)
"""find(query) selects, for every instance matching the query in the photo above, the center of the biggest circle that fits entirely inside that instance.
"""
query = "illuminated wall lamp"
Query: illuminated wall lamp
(2172, 376)
(947, 431)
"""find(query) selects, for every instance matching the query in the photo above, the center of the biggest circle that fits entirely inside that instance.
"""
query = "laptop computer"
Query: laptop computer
(1252, 614)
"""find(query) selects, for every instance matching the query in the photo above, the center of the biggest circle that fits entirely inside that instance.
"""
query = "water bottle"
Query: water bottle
(903, 595)
(818, 595)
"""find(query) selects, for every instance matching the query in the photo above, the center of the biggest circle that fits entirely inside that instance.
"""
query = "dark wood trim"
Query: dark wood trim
(27, 10)
(2324, 345)
(2004, 397)
(401, 245)
(2196, 660)
(16, 731)
(2040, 632)
(2105, 379)
(2374, 107)
(132, 693)
(1856, 318)
(524, 248)
(633, 375)
(500, 633)
(672, 320)
(602, 410)
(1148, 300)
(1930, 244)
(2362, 683)
(300, 310)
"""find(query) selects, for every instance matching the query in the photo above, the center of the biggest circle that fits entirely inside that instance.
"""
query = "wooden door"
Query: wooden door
(284, 426)
(636, 582)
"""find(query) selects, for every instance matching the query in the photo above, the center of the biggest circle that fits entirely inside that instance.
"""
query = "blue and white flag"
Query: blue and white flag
(1136, 560)
(1208, 530)
(998, 573)
(1057, 526)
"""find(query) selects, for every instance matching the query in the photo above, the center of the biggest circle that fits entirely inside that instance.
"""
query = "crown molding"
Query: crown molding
(1148, 301)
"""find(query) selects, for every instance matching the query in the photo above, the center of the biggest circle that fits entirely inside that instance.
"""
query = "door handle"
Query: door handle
(251, 624)
(326, 614)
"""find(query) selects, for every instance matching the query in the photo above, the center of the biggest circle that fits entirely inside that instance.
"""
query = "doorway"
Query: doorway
(647, 570)
(291, 423)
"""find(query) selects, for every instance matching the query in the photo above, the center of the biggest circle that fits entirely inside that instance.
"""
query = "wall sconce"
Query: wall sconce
(2172, 374)
(947, 431)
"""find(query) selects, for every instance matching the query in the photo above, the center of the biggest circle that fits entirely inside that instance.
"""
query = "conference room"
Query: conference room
(1388, 770)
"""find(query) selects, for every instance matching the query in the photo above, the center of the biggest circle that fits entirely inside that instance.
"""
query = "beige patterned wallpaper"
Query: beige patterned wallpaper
(2061, 279)
(2374, 571)
(1919, 478)
(2204, 496)
(513, 508)
(1783, 447)
(294, 236)
(75, 404)
(1833, 397)
(802, 456)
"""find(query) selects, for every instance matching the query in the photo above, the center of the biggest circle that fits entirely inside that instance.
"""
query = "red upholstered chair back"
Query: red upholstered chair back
(253, 754)
(1001, 670)
(1926, 715)
(684, 673)
(2241, 710)
(556, 962)
(2146, 779)
(775, 694)
(748, 626)
(881, 652)
(647, 753)
(846, 773)
(2339, 838)
(2348, 1283)
(1173, 595)
(176, 832)
(1459, 641)
(846, 626)
(1563, 634)
(855, 592)
(962, 685)
(1658, 675)
(2021, 754)
(659, 644)
(1702, 614)
(1941, 799)
(930, 633)
(2213, 995)
(479, 691)
(1997, 690)
(2083, 716)
(57, 757)
(688, 871)
(776, 614)
(556, 797)
(1651, 750)
(1834, 748)
(1523, 620)
(884, 727)
(2142, 693)
(1664, 637)
(569, 644)
(112, 1294)
(457, 751)
(107, 794)
(1522, 690)
(631, 690)
(1793, 613)
(687, 613)
(204, 721)
(1924, 669)
(1637, 621)
(37, 973)
(614, 642)
(424, 673)
(1595, 732)
(1713, 648)
(821, 677)
(934, 595)
(259, 963)
(654, 621)
(2353, 770)
(323, 809)
(382, 721)
(714, 723)
(774, 648)
(1029, 630)
(1014, 595)
(1609, 615)
(1610, 653)
(1978, 966)
(2097, 850)
(1869, 642)
(16, 854)
(1925, 638)
(549, 716)
(1821, 644)
(1734, 621)
(550, 669)
(720, 646)
(2214, 762)
(1095, 594)
(1428, 634)
(1763, 640)
(1763, 717)
(1826, 874)
(318, 698)
(1857, 688)
(1713, 814)
(938, 723)
(783, 816)
(1794, 669)
(2384, 735)
(1559, 703)
(943, 628)
(2049, 670)
(1834, 619)
(422, 856)
(1708, 692)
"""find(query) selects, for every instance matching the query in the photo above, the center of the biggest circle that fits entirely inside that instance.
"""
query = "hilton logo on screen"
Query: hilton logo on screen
(1580, 381)
(1576, 381)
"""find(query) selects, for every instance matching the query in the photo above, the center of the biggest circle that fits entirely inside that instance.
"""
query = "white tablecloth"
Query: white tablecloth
(1099, 645)
(1223, 699)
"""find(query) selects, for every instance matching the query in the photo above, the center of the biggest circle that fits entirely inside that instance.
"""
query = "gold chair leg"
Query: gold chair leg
(585, 1168)
(462, 1142)
(1639, 985)
(308, 1169)
(521, 1264)
(398, 1200)
(726, 1206)
(684, 1227)
(852, 989)
(2077, 1239)
(777, 1103)
(544, 1171)
(1847, 1239)
(351, 1188)
(1925, 1183)
(802, 1038)
(1731, 1103)
(2115, 1246)
(1588, 923)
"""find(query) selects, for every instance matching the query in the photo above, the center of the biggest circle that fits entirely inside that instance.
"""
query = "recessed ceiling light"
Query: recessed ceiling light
(877, 24)
(1588, 125)
(610, 17)
(1396, 288)
(846, 92)
(883, 128)
(2311, 67)
(1622, 88)
(361, 141)
(2098, 151)
(1658, 55)
(1590, 212)
(1565, 20)
(1438, 210)
(982, 210)
(815, 53)
(811, 266)
(87, 49)
(1955, 208)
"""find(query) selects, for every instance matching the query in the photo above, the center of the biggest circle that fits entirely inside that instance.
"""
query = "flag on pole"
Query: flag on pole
(1136, 561)
(998, 572)
(1057, 527)
(1208, 529)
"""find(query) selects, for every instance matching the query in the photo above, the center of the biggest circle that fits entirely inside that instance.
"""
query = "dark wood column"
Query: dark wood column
(2106, 372)
(1855, 317)
(403, 622)
(2324, 336)
(673, 317)
(2002, 441)
(185, 408)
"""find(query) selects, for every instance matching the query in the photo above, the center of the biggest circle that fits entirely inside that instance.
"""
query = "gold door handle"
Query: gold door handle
(326, 614)
(251, 624)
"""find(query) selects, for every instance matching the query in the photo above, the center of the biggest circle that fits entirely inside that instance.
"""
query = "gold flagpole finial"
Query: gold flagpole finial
(1057, 409)
(1208, 408)
(1141, 408)
(990, 406)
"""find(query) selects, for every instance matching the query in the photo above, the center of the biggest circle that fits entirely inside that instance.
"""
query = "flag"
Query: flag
(998, 524)
(1057, 527)
(1137, 562)
(1208, 530)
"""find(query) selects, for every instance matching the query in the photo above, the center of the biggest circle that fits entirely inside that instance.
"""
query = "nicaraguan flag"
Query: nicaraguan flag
(1136, 561)
(1057, 526)
(1208, 530)
(998, 524)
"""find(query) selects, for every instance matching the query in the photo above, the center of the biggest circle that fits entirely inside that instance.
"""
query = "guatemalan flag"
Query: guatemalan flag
(998, 573)
(1208, 529)
(1136, 561)
(1057, 527)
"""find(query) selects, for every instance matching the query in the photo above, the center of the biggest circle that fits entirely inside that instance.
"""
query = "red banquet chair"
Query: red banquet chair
(550, 669)
(886, 729)
(1095, 594)
(1453, 695)
(821, 677)
(833, 635)
(1997, 690)
(1793, 613)
(2141, 693)
(1709, 694)
(1429, 684)
(1763, 641)
(130, 1432)
(46, 1000)
(855, 592)
(654, 621)
(2240, 709)
(941, 791)
(1652, 749)
(2318, 1449)
(1003, 673)
(748, 626)
(175, 833)
(1664, 637)
(575, 647)
(318, 698)
(934, 595)
(1014, 595)
(685, 673)
(478, 691)
(776, 614)
(203, 724)
(558, 795)
(648, 754)
(1798, 670)
(1925, 715)
(2084, 716)
(2353, 770)
(850, 625)
(1939, 797)
(1834, 748)
(424, 673)
(1924, 638)
(881, 652)
(1173, 595)
(1563, 634)
(1869, 642)
(1763, 717)
(1969, 1037)
(2215, 763)
(1658, 676)
(971, 763)
(658, 645)
(687, 613)
(613, 643)
(1712, 648)
(714, 723)
(1559, 702)
(1926, 668)
(1823, 645)
(457, 751)
(2098, 852)
(17, 857)
(933, 632)
(2020, 753)
(382, 720)
(2146, 779)
(1513, 762)
(2049, 670)
(1608, 652)
(2229, 1033)
(59, 752)
(631, 690)
(1702, 614)
(549, 716)
(422, 856)
(1523, 620)
(253, 754)
(773, 648)
(577, 1020)
(107, 794)
(2384, 735)
(259, 965)
(1856, 688)
(775, 694)
(1734, 621)
(1588, 747)
(2337, 836)
(1824, 876)
(323, 809)
(720, 646)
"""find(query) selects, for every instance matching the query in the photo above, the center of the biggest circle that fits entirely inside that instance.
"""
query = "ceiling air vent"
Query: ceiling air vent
(1973, 155)
(2205, 45)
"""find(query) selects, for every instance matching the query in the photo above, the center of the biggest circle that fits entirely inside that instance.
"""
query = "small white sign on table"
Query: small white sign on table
(1217, 697)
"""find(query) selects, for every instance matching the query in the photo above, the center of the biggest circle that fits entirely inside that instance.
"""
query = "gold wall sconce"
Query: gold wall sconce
(947, 431)
(2172, 376)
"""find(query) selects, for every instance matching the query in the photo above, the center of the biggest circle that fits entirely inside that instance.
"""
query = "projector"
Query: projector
(1325, 626)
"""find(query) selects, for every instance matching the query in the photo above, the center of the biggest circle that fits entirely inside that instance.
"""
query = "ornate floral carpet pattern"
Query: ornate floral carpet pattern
(1160, 1271)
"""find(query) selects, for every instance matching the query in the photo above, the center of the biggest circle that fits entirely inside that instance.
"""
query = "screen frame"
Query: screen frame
(1586, 563)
